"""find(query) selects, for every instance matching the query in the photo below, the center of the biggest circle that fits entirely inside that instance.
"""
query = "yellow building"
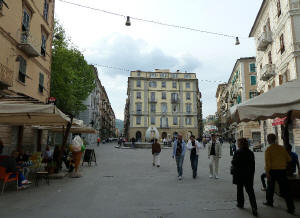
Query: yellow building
(168, 101)
(26, 29)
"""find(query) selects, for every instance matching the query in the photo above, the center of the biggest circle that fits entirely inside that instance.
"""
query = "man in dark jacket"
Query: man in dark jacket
(156, 149)
(243, 168)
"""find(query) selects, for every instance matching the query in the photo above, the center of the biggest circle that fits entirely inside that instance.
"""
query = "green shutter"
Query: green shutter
(253, 80)
(252, 68)
(41, 80)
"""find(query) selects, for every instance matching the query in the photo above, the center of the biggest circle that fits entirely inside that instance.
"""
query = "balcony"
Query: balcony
(6, 76)
(264, 40)
(267, 72)
(28, 44)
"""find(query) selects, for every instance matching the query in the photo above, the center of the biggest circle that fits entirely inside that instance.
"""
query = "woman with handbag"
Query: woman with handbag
(242, 169)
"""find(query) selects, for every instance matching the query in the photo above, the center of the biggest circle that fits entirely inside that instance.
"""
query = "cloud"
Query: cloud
(135, 54)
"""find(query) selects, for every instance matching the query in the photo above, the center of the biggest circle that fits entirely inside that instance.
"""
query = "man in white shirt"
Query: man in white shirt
(194, 146)
(214, 154)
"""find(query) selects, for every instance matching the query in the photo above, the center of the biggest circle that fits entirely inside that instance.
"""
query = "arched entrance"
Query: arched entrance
(164, 135)
(138, 136)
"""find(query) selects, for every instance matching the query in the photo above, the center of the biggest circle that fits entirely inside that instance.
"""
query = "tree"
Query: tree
(72, 79)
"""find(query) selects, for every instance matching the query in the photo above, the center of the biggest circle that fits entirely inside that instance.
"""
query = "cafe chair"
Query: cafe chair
(6, 178)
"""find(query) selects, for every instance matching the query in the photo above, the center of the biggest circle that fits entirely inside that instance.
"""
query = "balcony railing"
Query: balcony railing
(28, 44)
(264, 40)
(267, 72)
(6, 75)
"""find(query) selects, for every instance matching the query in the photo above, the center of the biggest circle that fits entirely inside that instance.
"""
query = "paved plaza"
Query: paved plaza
(125, 184)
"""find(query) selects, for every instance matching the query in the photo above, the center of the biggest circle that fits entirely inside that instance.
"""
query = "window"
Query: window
(280, 79)
(239, 99)
(188, 121)
(152, 120)
(164, 122)
(153, 108)
(22, 69)
(174, 97)
(163, 95)
(174, 75)
(138, 73)
(278, 8)
(43, 45)
(175, 120)
(174, 108)
(138, 95)
(138, 108)
(187, 76)
(152, 84)
(188, 108)
(46, 9)
(163, 84)
(188, 96)
(26, 21)
(138, 83)
(153, 75)
(174, 84)
(282, 48)
(187, 85)
(152, 96)
(163, 75)
(252, 68)
(41, 83)
(253, 94)
(253, 80)
(164, 108)
(138, 120)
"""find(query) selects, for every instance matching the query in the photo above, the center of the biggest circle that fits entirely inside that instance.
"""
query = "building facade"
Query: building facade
(171, 102)
(26, 30)
(241, 86)
(98, 114)
(277, 34)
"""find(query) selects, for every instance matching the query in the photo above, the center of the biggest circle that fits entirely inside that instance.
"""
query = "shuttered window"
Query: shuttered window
(43, 45)
(46, 9)
(252, 68)
(22, 69)
(26, 21)
(41, 83)
(253, 80)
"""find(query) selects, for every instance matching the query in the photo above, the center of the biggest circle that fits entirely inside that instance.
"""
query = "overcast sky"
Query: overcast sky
(105, 40)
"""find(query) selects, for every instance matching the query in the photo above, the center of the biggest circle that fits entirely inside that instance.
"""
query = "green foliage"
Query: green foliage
(72, 79)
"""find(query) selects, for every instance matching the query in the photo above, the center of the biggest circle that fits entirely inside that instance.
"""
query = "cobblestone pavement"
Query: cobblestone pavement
(125, 184)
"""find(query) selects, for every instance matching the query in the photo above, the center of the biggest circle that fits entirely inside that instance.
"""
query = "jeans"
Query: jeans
(250, 192)
(194, 164)
(281, 177)
(179, 163)
(21, 178)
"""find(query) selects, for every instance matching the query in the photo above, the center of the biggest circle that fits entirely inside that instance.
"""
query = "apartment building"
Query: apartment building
(26, 30)
(171, 102)
(241, 86)
(277, 34)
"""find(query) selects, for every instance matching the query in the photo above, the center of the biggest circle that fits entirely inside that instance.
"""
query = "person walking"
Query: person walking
(194, 146)
(179, 148)
(156, 149)
(214, 154)
(243, 169)
(98, 141)
(276, 161)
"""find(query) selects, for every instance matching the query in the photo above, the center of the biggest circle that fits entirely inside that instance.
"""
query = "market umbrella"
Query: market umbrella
(277, 102)
(22, 113)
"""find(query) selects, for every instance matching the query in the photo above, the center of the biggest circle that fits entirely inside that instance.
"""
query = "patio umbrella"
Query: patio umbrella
(281, 101)
(17, 113)
(277, 102)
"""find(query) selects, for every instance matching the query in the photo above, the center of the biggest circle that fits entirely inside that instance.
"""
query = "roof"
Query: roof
(263, 4)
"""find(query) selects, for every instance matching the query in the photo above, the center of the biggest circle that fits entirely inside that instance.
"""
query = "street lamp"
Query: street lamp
(237, 41)
(128, 23)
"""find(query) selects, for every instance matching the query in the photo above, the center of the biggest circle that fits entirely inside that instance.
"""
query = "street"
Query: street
(125, 184)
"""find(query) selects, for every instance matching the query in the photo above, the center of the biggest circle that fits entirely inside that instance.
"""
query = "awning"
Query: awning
(84, 129)
(16, 113)
(275, 103)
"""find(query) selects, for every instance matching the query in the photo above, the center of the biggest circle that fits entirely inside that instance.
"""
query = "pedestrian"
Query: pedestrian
(179, 149)
(294, 164)
(242, 169)
(98, 141)
(221, 140)
(214, 154)
(156, 149)
(276, 161)
(194, 146)
(133, 142)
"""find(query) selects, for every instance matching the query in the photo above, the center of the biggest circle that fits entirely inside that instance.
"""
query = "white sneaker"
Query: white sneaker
(216, 177)
(179, 177)
(210, 176)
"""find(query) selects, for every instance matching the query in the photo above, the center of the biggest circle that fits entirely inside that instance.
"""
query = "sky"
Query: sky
(105, 40)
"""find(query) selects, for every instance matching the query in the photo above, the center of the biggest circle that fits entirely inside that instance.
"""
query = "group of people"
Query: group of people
(194, 146)
(277, 160)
